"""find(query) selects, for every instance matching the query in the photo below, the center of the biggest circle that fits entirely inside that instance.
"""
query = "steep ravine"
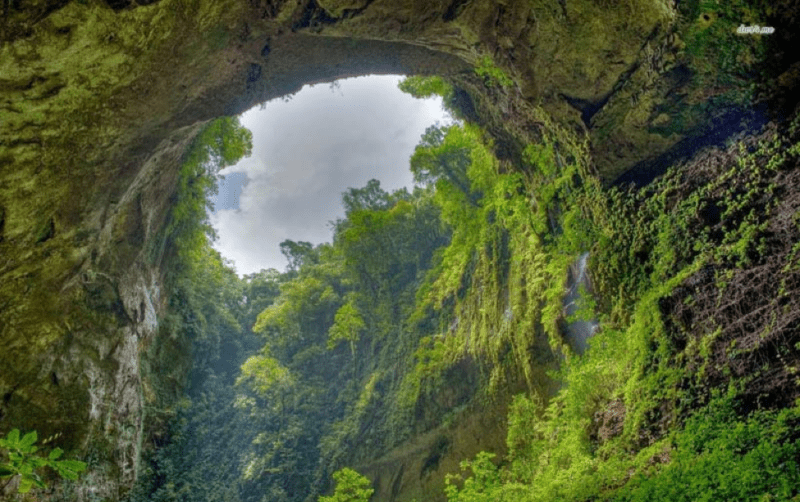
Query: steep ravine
(100, 100)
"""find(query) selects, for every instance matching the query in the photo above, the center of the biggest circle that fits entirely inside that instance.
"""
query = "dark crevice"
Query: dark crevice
(349, 13)
(47, 232)
(652, 36)
(118, 5)
(437, 452)
(462, 101)
(18, 20)
(313, 17)
(563, 5)
(254, 73)
(454, 10)
(588, 108)
(501, 11)
(7, 399)
(398, 482)
(731, 123)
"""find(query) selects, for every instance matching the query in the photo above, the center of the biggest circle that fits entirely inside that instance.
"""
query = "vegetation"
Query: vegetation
(491, 73)
(23, 461)
(728, 69)
(350, 487)
(658, 408)
(208, 303)
(334, 361)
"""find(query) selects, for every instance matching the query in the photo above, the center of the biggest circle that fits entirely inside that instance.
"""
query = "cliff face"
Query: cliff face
(98, 101)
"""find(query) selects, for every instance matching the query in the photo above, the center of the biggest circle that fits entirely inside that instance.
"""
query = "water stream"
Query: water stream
(579, 331)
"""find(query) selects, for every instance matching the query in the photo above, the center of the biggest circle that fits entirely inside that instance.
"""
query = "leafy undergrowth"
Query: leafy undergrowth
(687, 392)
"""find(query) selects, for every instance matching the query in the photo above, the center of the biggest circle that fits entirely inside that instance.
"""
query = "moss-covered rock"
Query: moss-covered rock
(338, 7)
(99, 100)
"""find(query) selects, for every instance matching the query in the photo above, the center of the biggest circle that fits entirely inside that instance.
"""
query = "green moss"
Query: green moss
(492, 75)
(337, 7)
(622, 405)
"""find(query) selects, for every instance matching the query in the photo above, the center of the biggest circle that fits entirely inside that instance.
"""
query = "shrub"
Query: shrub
(23, 462)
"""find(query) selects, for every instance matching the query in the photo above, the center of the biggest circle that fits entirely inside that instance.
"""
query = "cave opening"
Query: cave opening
(101, 101)
(308, 148)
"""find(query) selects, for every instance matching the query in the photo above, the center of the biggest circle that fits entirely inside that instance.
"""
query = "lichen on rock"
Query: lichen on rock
(99, 101)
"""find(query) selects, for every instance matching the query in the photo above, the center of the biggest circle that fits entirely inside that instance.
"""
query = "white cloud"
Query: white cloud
(307, 151)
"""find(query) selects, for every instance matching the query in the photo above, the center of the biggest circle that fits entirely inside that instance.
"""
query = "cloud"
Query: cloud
(306, 152)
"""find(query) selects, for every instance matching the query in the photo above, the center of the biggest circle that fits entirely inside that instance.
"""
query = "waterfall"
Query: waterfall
(578, 332)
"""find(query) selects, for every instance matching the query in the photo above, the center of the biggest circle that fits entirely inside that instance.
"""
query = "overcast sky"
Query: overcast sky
(306, 152)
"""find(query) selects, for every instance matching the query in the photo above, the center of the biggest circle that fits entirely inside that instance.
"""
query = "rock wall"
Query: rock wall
(99, 99)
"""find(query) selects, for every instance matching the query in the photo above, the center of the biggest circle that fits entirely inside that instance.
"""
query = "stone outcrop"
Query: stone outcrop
(99, 99)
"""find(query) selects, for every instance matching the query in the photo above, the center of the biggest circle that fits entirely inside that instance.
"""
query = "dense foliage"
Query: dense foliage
(300, 374)
(285, 416)
(672, 401)
(202, 337)
(350, 487)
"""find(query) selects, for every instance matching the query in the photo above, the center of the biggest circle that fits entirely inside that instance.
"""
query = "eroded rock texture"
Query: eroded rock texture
(99, 99)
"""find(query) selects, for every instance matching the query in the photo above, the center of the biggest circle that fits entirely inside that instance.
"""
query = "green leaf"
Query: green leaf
(68, 474)
(73, 465)
(13, 438)
(55, 454)
(28, 440)
(25, 485)
(37, 462)
(6, 470)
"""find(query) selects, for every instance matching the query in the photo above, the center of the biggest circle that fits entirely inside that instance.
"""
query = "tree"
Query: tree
(297, 253)
(347, 325)
(259, 292)
(219, 144)
(444, 153)
(425, 87)
(350, 487)
(224, 142)
(371, 196)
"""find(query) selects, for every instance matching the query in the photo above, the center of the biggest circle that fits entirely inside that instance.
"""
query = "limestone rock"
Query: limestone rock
(98, 101)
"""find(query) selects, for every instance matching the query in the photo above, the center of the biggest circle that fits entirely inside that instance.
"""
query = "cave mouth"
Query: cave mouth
(308, 148)
(290, 61)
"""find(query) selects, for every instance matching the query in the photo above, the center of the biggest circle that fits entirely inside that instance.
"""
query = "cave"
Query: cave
(100, 99)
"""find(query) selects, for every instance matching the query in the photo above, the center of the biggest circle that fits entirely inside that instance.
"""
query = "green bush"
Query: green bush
(491, 73)
(720, 457)
(23, 461)
(350, 487)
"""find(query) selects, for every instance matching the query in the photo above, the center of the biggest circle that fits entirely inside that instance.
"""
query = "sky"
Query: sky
(307, 150)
